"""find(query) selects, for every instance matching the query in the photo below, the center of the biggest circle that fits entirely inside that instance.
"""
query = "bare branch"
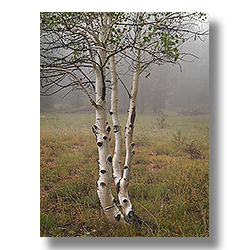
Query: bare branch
(123, 84)
(78, 80)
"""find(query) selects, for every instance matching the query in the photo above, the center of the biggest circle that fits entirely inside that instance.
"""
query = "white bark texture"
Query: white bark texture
(124, 182)
(102, 130)
(117, 173)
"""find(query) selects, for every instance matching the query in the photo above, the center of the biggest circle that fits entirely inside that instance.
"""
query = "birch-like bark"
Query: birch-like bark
(101, 129)
(124, 182)
(117, 173)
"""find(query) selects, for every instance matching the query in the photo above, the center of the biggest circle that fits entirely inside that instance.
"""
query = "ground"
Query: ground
(169, 186)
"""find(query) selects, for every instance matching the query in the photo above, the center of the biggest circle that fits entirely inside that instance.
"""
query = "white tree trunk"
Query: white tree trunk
(102, 130)
(117, 173)
(124, 183)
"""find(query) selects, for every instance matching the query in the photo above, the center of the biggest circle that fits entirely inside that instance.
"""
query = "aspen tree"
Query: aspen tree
(77, 51)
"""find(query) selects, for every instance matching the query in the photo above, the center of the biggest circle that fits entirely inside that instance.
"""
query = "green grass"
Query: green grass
(169, 185)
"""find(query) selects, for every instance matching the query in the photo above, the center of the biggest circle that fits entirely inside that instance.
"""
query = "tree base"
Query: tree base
(134, 219)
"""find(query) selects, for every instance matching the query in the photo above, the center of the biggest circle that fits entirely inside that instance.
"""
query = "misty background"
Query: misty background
(168, 87)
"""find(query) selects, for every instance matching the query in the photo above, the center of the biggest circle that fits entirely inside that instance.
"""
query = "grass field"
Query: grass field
(169, 188)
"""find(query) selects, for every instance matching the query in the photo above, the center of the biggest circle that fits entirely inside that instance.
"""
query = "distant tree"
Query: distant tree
(91, 50)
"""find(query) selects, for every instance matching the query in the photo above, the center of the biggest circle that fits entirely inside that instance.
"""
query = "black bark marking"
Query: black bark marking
(131, 214)
(132, 119)
(103, 171)
(108, 129)
(126, 167)
(118, 217)
(103, 85)
(116, 128)
(93, 129)
(103, 92)
(110, 112)
(102, 184)
(109, 158)
(99, 144)
(125, 201)
(118, 187)
(105, 137)
(110, 207)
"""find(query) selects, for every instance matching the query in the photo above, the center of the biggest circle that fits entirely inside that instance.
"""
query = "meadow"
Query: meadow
(169, 186)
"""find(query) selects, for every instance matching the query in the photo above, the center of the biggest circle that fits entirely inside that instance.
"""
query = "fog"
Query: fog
(169, 87)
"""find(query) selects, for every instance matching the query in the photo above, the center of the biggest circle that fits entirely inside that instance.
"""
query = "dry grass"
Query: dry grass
(169, 187)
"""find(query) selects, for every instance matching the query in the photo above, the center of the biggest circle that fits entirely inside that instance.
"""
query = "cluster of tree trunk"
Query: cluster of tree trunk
(84, 51)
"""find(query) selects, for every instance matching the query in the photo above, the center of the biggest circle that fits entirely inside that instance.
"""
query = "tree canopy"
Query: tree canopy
(71, 41)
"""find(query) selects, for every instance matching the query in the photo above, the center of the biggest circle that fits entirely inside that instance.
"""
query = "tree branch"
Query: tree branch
(78, 80)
